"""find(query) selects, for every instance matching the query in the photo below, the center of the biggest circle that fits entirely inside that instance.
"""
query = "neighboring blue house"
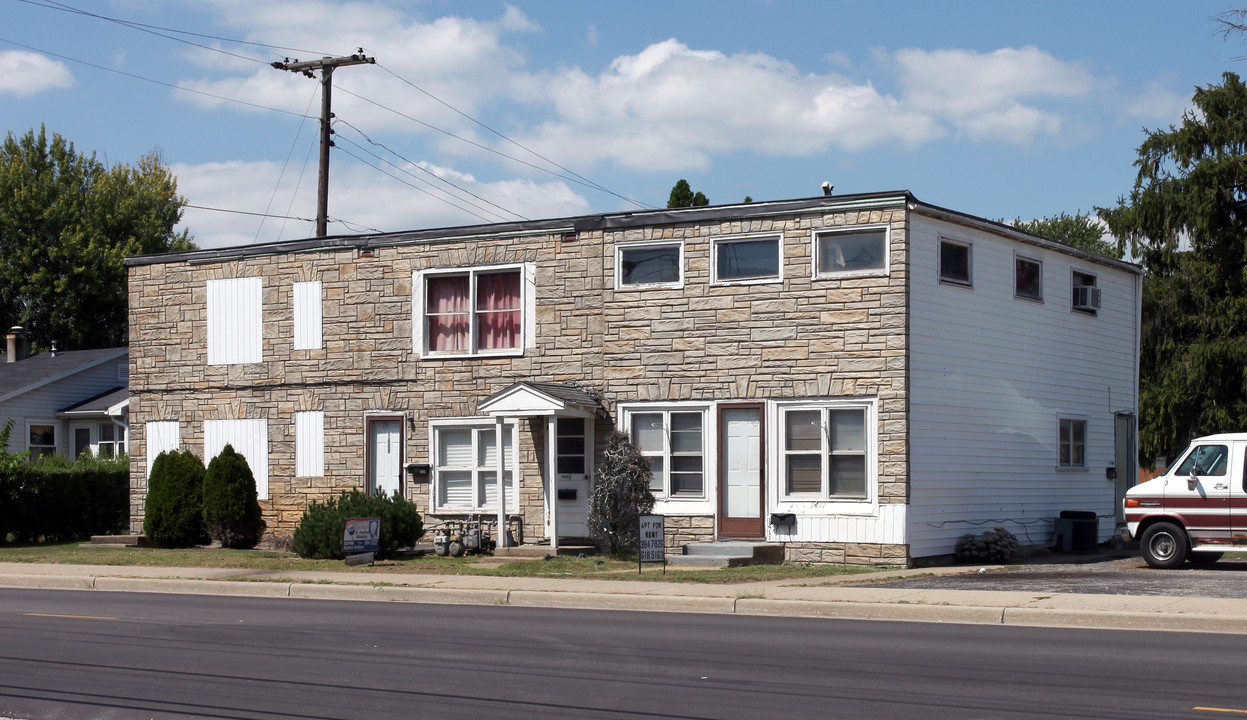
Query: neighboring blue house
(65, 402)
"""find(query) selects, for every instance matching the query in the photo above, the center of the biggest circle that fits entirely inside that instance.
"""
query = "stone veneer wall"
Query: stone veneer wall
(847, 553)
(799, 338)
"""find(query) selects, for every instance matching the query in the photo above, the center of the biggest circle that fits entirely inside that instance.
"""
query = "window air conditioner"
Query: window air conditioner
(1086, 297)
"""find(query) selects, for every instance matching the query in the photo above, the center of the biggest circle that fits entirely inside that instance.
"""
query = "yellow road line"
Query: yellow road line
(75, 617)
(1221, 710)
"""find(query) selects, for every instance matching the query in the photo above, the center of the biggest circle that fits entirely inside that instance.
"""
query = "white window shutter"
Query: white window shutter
(235, 321)
(309, 443)
(307, 315)
(162, 436)
(249, 439)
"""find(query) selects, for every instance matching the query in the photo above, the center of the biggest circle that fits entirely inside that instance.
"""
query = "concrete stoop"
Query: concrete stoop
(113, 541)
(536, 551)
(728, 554)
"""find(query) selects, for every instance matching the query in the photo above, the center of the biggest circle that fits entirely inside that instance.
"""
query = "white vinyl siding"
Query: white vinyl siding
(309, 443)
(307, 315)
(249, 439)
(162, 436)
(235, 321)
(989, 378)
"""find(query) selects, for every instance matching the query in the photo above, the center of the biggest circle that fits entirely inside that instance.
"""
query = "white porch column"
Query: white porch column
(552, 480)
(502, 482)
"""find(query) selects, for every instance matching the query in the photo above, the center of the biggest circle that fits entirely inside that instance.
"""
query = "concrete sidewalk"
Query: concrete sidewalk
(824, 597)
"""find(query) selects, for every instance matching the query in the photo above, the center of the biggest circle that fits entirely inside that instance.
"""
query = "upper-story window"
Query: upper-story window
(858, 251)
(471, 312)
(955, 263)
(1085, 295)
(747, 259)
(649, 265)
(235, 321)
(1027, 278)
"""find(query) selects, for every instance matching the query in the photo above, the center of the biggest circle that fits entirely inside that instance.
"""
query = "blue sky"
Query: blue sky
(998, 109)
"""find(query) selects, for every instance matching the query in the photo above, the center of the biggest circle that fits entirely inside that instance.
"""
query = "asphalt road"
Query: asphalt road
(1124, 576)
(71, 655)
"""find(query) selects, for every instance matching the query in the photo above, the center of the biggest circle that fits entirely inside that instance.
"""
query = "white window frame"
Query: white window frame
(1061, 440)
(1018, 295)
(309, 443)
(939, 262)
(708, 438)
(528, 310)
(621, 248)
(235, 310)
(55, 447)
(716, 242)
(816, 250)
(868, 406)
(308, 301)
(477, 425)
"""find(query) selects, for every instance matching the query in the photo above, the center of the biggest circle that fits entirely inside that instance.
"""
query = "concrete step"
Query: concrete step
(536, 551)
(113, 541)
(728, 554)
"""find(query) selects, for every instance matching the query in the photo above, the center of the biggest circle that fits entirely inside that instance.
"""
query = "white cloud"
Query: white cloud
(25, 73)
(1157, 102)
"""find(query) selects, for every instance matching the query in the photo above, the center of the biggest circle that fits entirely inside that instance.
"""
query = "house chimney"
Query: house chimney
(17, 344)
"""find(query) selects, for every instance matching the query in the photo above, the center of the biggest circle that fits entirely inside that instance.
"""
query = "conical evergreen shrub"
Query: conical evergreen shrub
(620, 496)
(231, 510)
(173, 511)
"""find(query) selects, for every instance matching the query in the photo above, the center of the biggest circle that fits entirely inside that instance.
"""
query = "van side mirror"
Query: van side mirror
(1192, 481)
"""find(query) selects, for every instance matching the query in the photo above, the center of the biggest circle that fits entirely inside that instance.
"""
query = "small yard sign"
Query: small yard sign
(361, 535)
(650, 542)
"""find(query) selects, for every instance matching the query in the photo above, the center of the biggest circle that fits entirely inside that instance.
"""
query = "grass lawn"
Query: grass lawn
(598, 568)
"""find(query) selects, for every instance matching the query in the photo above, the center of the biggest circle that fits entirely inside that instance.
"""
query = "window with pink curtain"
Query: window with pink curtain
(449, 312)
(498, 311)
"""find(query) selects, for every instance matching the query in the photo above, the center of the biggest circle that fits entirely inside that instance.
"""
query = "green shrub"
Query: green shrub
(173, 514)
(620, 496)
(319, 534)
(993, 546)
(57, 499)
(231, 510)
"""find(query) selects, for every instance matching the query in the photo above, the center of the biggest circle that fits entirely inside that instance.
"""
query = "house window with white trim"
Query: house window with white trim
(955, 263)
(859, 251)
(41, 440)
(649, 265)
(826, 451)
(1027, 278)
(471, 312)
(674, 440)
(465, 472)
(747, 259)
(1071, 443)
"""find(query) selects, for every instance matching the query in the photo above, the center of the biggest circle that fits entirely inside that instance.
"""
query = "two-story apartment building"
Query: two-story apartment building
(863, 378)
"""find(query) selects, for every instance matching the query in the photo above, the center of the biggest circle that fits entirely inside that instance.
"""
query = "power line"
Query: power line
(417, 189)
(285, 165)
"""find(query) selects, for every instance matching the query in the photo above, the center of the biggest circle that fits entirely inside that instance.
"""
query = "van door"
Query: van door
(1199, 491)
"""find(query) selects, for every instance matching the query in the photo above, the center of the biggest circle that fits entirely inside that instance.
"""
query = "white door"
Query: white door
(571, 479)
(384, 456)
(741, 452)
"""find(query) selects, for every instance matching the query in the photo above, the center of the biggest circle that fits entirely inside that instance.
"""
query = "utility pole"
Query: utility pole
(326, 66)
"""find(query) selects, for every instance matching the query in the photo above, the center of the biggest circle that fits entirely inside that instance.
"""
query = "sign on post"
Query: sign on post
(651, 544)
(361, 538)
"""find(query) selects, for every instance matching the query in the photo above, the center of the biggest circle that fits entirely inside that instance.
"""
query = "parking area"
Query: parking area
(1104, 574)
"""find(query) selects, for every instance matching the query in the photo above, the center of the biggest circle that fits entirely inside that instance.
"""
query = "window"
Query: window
(307, 315)
(162, 436)
(673, 440)
(1072, 443)
(249, 438)
(111, 440)
(851, 252)
(309, 443)
(1027, 278)
(42, 440)
(746, 259)
(235, 321)
(954, 262)
(1208, 460)
(466, 467)
(649, 264)
(825, 452)
(1085, 295)
(474, 312)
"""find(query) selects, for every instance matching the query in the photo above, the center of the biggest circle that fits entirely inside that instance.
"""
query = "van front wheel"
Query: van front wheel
(1164, 546)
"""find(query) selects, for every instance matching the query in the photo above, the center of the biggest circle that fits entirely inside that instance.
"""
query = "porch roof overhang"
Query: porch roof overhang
(525, 399)
(114, 403)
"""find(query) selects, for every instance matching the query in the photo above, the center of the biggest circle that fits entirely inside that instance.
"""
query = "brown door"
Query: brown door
(742, 486)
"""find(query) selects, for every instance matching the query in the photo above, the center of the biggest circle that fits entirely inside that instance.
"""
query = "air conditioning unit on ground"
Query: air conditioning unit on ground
(1086, 297)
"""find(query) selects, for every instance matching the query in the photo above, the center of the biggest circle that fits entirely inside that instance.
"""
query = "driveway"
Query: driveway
(1104, 574)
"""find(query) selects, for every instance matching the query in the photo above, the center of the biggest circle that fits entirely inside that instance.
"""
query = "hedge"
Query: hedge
(64, 503)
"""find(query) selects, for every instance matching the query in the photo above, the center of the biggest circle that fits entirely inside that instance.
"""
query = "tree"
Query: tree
(620, 496)
(682, 195)
(231, 510)
(173, 512)
(1186, 219)
(66, 224)
(1080, 230)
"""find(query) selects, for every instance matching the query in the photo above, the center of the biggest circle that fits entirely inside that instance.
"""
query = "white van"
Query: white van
(1197, 510)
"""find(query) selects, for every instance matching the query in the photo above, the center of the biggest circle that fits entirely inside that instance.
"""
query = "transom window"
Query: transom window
(466, 469)
(825, 452)
(846, 252)
(745, 259)
(1072, 443)
(954, 263)
(674, 442)
(650, 264)
(1027, 278)
(478, 311)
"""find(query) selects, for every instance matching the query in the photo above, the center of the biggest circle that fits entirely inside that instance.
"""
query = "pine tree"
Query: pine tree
(621, 495)
(231, 509)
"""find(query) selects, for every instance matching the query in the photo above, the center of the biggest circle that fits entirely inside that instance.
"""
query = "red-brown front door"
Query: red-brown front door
(742, 486)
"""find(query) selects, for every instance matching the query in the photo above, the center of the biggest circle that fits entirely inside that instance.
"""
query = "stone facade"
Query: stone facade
(799, 338)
